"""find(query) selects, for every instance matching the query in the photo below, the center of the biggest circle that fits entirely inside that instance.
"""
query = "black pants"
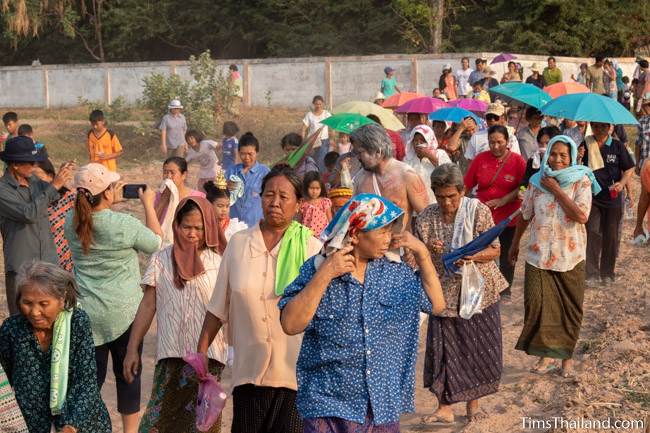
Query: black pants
(128, 394)
(506, 268)
(602, 240)
(261, 409)
(10, 288)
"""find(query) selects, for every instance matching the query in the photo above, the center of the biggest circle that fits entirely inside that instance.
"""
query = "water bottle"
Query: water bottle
(629, 209)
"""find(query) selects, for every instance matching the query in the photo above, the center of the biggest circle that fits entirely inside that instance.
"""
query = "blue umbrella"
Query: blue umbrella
(589, 107)
(480, 243)
(453, 114)
(525, 93)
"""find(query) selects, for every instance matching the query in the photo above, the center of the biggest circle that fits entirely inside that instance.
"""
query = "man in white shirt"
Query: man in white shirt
(495, 115)
(462, 78)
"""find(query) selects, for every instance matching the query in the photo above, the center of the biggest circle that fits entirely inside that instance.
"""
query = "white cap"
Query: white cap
(95, 178)
(175, 103)
(447, 66)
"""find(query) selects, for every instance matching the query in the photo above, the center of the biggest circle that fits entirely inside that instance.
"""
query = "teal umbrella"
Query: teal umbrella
(346, 122)
(453, 114)
(589, 107)
(525, 93)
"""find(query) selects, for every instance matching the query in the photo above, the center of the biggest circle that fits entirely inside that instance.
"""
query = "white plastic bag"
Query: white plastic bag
(471, 292)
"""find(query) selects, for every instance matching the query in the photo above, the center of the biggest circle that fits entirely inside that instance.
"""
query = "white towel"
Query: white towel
(167, 224)
(464, 222)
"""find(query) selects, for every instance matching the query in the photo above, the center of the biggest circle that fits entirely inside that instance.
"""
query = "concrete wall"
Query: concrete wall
(280, 82)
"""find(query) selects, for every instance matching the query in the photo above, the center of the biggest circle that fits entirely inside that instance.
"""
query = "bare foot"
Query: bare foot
(567, 368)
(473, 411)
(444, 414)
(544, 366)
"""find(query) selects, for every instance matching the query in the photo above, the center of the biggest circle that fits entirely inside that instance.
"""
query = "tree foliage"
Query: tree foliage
(63, 31)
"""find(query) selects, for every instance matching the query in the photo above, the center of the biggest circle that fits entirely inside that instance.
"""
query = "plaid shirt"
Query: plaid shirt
(643, 141)
(56, 214)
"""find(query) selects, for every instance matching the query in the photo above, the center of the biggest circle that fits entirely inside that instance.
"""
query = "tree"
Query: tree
(27, 19)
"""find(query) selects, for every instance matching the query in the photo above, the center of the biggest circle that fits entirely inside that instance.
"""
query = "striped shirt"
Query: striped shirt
(180, 312)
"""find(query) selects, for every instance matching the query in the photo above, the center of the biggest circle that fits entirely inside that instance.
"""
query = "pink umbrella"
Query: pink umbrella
(470, 104)
(424, 105)
(503, 57)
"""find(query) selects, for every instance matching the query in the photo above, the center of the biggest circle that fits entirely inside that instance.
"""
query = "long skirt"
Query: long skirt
(172, 407)
(552, 311)
(338, 425)
(464, 358)
(264, 409)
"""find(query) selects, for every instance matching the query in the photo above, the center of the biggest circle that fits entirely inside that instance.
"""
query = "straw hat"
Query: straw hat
(379, 95)
(175, 103)
(534, 67)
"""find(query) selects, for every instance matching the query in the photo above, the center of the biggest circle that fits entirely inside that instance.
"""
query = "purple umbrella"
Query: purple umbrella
(470, 104)
(424, 105)
(503, 57)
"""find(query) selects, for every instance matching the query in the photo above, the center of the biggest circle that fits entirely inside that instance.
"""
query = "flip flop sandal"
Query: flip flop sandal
(478, 416)
(546, 370)
(436, 419)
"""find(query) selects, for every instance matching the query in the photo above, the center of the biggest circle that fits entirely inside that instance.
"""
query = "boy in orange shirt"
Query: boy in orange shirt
(103, 145)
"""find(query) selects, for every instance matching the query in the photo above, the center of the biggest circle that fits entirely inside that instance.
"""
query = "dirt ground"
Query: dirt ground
(612, 362)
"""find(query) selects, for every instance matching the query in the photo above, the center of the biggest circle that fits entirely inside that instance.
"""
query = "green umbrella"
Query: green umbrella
(346, 122)
(521, 92)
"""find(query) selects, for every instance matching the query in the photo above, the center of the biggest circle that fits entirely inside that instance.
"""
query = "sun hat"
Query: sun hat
(446, 66)
(95, 178)
(496, 108)
(379, 95)
(22, 149)
(388, 69)
(175, 103)
(534, 67)
(488, 71)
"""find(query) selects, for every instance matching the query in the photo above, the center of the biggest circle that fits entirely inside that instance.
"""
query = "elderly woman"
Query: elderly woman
(463, 360)
(423, 154)
(496, 174)
(255, 269)
(556, 206)
(105, 246)
(359, 311)
(48, 354)
(178, 284)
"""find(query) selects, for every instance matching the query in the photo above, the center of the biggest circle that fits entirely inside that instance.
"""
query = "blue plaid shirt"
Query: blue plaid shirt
(249, 206)
(359, 350)
(643, 141)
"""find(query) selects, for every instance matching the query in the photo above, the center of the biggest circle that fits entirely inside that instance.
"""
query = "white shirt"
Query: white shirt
(479, 143)
(462, 78)
(207, 158)
(180, 312)
(313, 123)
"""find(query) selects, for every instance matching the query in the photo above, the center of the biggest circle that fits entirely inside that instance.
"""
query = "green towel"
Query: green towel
(59, 363)
(293, 253)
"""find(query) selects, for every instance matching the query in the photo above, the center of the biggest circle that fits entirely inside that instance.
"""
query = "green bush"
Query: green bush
(116, 112)
(206, 98)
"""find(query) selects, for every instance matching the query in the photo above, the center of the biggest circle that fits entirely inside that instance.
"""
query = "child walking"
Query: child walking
(229, 145)
(316, 208)
(103, 145)
(202, 150)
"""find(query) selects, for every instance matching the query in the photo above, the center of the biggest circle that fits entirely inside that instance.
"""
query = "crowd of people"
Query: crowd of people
(310, 279)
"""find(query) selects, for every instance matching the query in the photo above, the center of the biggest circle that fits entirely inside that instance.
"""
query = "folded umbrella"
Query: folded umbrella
(470, 104)
(503, 57)
(525, 93)
(346, 122)
(589, 107)
(387, 118)
(453, 114)
(424, 105)
(479, 243)
(398, 99)
(297, 156)
(565, 88)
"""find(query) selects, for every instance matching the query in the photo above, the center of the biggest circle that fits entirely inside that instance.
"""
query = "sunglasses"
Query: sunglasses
(492, 117)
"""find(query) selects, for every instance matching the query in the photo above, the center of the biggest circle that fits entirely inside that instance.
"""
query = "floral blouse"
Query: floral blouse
(431, 227)
(28, 369)
(556, 243)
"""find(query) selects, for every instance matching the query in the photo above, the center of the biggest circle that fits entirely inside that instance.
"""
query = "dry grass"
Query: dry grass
(64, 132)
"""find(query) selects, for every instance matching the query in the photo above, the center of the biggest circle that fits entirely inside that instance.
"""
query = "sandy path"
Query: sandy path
(614, 316)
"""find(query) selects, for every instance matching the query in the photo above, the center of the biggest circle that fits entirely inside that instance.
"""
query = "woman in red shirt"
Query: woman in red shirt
(497, 174)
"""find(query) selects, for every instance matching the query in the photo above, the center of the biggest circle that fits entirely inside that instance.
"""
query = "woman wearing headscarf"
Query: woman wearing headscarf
(556, 207)
(358, 307)
(256, 267)
(424, 154)
(48, 354)
(178, 284)
(447, 83)
(452, 369)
